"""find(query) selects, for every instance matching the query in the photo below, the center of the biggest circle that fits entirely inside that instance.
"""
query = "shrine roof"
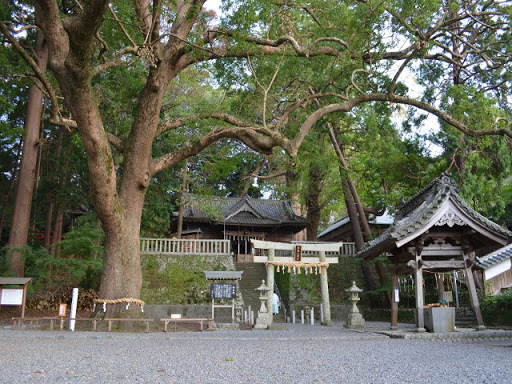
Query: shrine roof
(439, 203)
(241, 210)
(495, 257)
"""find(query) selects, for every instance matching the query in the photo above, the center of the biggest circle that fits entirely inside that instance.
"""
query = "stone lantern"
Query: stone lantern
(264, 318)
(354, 319)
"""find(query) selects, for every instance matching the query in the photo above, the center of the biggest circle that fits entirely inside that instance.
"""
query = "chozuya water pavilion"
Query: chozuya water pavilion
(436, 231)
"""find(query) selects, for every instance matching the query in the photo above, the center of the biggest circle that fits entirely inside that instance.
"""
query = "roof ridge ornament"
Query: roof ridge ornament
(450, 218)
(446, 179)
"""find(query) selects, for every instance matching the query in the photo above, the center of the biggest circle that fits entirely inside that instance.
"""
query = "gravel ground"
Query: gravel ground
(300, 354)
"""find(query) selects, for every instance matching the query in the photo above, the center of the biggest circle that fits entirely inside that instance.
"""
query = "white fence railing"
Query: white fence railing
(185, 247)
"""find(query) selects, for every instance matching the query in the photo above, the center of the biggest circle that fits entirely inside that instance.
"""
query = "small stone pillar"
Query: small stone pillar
(264, 319)
(354, 319)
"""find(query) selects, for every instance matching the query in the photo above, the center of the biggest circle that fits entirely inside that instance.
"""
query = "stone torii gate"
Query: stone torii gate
(320, 263)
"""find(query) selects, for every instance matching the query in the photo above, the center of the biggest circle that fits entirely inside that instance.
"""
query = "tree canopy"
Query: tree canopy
(134, 81)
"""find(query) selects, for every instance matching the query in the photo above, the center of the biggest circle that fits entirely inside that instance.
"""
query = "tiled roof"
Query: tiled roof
(336, 225)
(495, 257)
(237, 210)
(385, 219)
(418, 210)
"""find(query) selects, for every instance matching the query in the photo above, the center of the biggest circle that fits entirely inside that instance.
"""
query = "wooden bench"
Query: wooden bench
(110, 321)
(187, 320)
(19, 321)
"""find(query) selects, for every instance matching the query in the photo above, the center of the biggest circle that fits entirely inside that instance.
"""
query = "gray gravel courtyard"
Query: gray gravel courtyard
(300, 354)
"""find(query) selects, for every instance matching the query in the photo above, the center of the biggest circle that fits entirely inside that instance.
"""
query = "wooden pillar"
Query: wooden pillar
(324, 287)
(394, 303)
(270, 283)
(418, 274)
(472, 291)
(440, 285)
(24, 300)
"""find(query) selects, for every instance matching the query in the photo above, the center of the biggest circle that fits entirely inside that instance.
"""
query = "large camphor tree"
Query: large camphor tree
(358, 41)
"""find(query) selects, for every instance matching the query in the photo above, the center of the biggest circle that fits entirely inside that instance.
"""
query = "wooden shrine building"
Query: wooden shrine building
(239, 219)
(436, 231)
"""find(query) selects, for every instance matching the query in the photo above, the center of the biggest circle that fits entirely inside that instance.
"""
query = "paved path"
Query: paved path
(300, 354)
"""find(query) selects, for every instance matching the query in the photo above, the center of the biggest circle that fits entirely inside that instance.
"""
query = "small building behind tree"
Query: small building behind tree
(239, 219)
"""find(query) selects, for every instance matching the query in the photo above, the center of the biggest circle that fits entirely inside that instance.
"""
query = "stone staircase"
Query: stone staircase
(251, 279)
(464, 317)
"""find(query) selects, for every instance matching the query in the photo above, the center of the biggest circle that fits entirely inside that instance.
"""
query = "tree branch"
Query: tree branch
(54, 111)
(116, 142)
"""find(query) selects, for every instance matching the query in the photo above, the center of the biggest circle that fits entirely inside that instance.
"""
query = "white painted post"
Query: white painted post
(252, 317)
(72, 315)
(321, 314)
(302, 316)
(246, 317)
(312, 315)
(293, 316)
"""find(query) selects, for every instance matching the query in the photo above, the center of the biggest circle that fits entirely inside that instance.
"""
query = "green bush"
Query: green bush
(497, 310)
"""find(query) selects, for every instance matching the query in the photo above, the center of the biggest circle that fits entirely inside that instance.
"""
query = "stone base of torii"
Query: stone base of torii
(318, 263)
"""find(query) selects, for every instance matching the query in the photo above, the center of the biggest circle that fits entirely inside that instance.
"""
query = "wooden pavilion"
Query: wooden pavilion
(436, 231)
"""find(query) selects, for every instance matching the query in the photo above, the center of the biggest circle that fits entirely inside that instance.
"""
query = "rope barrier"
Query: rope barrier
(126, 300)
(319, 267)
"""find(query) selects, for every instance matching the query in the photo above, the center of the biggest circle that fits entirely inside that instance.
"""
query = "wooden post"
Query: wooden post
(440, 285)
(324, 287)
(24, 300)
(420, 320)
(472, 292)
(270, 284)
(394, 303)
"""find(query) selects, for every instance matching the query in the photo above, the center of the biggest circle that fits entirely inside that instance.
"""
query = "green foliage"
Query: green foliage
(84, 241)
(80, 263)
(341, 276)
(497, 310)
(180, 281)
(497, 303)
(51, 274)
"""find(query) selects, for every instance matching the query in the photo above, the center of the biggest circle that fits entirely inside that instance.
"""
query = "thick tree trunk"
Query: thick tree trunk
(25, 187)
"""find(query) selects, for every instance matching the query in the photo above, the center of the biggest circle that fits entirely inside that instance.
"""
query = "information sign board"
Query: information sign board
(11, 296)
(448, 296)
(62, 309)
(223, 291)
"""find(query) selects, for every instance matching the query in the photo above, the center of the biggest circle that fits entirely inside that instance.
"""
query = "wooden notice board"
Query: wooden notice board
(13, 295)
(297, 253)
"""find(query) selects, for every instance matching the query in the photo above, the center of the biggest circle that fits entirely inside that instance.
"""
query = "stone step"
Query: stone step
(253, 274)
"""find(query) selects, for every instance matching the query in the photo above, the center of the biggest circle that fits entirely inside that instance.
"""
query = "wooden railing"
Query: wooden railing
(348, 249)
(185, 247)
